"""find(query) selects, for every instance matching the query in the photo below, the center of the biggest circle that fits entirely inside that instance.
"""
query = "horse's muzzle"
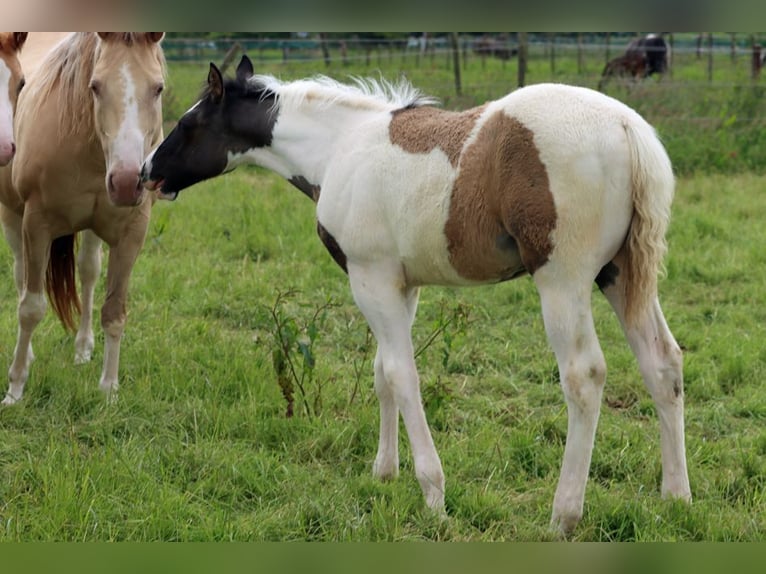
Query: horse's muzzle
(125, 187)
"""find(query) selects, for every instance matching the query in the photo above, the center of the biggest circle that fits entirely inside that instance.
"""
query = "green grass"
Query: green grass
(198, 447)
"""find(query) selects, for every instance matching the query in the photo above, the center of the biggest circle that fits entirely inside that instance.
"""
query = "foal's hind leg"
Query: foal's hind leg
(661, 364)
(89, 267)
(582, 370)
(388, 305)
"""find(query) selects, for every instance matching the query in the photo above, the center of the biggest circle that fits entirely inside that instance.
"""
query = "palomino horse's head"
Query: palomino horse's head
(127, 83)
(11, 82)
(232, 117)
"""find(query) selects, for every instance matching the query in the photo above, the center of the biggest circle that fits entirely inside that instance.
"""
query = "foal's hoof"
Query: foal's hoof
(9, 400)
(83, 352)
(562, 528)
(110, 391)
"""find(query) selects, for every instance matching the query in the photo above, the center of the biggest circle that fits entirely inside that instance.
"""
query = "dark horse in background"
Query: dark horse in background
(643, 57)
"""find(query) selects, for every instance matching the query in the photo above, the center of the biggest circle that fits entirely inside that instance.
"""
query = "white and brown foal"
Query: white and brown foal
(558, 182)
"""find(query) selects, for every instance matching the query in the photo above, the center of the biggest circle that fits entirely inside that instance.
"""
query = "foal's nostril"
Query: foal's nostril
(13, 148)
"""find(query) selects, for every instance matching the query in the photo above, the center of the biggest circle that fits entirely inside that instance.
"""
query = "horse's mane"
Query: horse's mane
(364, 93)
(65, 73)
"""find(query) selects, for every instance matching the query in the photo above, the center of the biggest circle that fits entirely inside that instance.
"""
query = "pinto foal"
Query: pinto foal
(559, 182)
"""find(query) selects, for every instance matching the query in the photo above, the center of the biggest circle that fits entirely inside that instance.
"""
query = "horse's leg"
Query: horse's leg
(12, 229)
(387, 460)
(661, 363)
(89, 267)
(122, 257)
(388, 305)
(582, 370)
(32, 303)
(12, 223)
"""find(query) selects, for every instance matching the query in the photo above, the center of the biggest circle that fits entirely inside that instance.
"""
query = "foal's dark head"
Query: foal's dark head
(232, 117)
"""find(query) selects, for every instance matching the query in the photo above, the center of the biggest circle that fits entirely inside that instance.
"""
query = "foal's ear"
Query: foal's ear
(245, 69)
(215, 83)
(154, 37)
(18, 40)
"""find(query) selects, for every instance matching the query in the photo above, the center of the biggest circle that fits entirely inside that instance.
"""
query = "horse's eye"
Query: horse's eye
(22, 82)
(95, 87)
(158, 89)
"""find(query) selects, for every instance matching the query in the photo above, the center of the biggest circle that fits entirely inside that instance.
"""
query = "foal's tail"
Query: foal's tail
(653, 185)
(60, 283)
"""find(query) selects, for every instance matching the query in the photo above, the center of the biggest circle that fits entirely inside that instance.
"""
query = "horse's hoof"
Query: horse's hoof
(9, 400)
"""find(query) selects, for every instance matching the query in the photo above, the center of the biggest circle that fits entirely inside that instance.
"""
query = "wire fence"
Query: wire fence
(712, 57)
(709, 105)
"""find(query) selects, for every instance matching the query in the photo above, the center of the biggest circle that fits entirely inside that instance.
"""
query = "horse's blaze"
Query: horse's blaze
(501, 212)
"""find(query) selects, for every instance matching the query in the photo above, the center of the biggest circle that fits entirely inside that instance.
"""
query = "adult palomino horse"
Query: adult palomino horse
(89, 114)
(562, 183)
(11, 82)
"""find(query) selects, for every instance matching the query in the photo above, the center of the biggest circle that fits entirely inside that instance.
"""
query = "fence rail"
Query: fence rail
(723, 59)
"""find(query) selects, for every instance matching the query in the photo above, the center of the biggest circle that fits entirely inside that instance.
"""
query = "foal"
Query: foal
(563, 183)
(89, 114)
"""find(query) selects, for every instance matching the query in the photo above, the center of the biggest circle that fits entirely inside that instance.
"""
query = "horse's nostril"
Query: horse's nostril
(13, 147)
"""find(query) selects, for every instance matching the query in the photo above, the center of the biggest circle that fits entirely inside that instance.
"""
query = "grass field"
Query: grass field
(198, 446)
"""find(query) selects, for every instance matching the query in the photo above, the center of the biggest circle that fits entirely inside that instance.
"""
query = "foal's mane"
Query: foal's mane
(65, 74)
(362, 93)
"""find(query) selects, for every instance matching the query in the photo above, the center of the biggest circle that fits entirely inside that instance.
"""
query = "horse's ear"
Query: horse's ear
(104, 35)
(245, 69)
(215, 83)
(155, 37)
(18, 39)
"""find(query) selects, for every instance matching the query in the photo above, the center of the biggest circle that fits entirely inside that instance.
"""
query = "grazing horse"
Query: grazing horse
(562, 183)
(644, 56)
(11, 82)
(90, 112)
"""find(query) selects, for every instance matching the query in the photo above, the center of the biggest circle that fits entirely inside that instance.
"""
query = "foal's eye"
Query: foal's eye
(95, 87)
(22, 82)
(158, 89)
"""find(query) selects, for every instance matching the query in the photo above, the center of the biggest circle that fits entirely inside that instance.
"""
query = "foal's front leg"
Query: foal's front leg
(388, 304)
(387, 460)
(32, 303)
(122, 257)
(12, 223)
(89, 267)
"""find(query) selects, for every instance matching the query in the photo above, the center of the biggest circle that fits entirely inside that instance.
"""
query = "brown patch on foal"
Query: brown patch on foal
(420, 130)
(501, 213)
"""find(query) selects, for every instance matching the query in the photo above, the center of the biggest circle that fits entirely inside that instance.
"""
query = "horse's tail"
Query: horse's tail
(653, 186)
(60, 281)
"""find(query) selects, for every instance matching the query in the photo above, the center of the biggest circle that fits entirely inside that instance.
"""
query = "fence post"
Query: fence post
(710, 57)
(456, 61)
(552, 40)
(579, 53)
(522, 37)
(232, 52)
(671, 55)
(755, 68)
(325, 50)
